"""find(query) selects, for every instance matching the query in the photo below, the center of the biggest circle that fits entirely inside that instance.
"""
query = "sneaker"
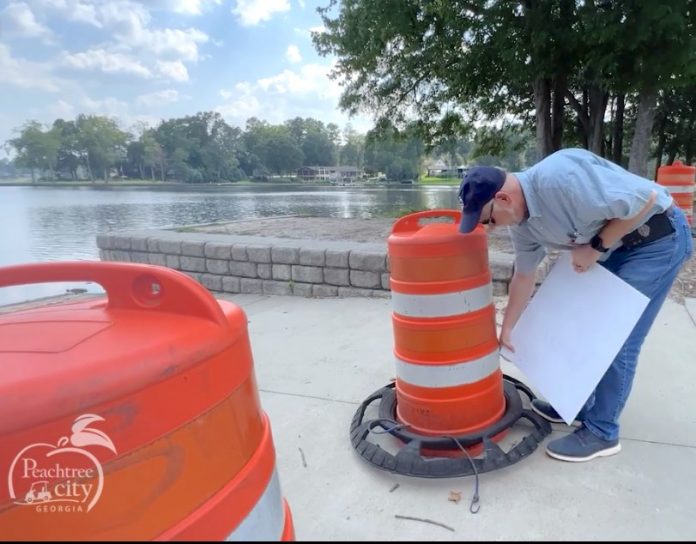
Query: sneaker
(545, 410)
(582, 445)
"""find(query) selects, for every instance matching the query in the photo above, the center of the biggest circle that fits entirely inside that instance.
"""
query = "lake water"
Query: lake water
(39, 224)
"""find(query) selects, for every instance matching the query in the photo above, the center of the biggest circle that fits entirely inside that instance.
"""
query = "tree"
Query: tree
(36, 149)
(453, 151)
(676, 126)
(316, 140)
(69, 156)
(628, 52)
(102, 142)
(279, 152)
(447, 63)
(7, 169)
(249, 160)
(398, 154)
(505, 146)
(219, 152)
(352, 152)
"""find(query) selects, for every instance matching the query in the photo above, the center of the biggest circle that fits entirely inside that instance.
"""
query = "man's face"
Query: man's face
(487, 215)
(498, 213)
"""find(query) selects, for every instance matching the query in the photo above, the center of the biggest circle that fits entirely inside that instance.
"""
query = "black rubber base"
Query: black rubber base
(410, 461)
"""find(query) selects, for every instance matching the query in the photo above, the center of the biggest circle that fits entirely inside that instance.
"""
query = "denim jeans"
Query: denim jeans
(651, 269)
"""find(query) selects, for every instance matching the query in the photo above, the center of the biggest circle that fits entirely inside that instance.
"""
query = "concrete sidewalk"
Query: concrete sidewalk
(316, 360)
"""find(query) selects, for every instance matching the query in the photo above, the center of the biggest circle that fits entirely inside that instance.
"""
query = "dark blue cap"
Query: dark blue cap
(476, 190)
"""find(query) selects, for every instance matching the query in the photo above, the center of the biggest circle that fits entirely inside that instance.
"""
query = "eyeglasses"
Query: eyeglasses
(490, 219)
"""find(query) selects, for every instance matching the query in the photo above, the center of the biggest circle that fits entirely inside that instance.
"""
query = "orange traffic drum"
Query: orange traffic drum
(134, 416)
(448, 372)
(680, 180)
(450, 406)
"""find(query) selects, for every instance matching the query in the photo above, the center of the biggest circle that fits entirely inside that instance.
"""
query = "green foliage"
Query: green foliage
(506, 146)
(36, 149)
(438, 180)
(552, 65)
(398, 154)
(352, 153)
(676, 125)
(199, 148)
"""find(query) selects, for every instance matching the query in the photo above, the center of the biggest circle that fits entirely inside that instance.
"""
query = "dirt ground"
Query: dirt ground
(377, 230)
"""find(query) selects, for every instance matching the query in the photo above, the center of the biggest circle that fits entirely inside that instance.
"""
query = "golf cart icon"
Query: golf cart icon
(38, 492)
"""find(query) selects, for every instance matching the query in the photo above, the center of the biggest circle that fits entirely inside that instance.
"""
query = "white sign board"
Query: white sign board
(570, 332)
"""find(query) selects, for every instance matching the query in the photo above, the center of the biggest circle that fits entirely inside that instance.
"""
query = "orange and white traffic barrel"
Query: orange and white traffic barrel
(680, 180)
(448, 377)
(134, 416)
(450, 401)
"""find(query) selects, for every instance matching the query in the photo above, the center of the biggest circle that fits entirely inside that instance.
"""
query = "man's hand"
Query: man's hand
(583, 257)
(505, 340)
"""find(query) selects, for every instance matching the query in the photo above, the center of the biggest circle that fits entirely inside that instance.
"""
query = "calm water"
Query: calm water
(51, 224)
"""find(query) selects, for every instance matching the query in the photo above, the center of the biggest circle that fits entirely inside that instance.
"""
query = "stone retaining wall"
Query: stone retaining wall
(272, 266)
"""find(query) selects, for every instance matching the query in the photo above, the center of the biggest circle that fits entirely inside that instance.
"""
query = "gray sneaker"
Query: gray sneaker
(545, 410)
(582, 445)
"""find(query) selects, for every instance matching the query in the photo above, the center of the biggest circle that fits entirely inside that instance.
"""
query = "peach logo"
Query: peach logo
(64, 477)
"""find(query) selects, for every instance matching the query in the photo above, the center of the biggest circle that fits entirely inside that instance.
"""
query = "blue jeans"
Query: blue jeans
(651, 269)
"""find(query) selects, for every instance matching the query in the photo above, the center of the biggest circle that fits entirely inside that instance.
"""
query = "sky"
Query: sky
(145, 60)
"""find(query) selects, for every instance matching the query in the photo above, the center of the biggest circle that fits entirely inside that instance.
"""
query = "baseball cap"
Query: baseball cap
(476, 190)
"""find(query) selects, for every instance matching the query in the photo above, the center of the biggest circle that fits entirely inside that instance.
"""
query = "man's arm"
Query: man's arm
(615, 229)
(521, 288)
(585, 256)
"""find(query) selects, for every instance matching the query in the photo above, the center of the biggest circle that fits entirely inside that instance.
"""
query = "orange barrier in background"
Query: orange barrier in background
(133, 418)
(680, 180)
(448, 373)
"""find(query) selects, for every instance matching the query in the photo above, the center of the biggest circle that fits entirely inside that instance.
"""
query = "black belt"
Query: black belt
(653, 229)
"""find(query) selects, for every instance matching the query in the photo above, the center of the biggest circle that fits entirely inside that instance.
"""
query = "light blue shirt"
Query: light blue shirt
(570, 195)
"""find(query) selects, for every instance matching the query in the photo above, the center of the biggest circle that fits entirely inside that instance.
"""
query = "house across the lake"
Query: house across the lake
(338, 175)
(440, 170)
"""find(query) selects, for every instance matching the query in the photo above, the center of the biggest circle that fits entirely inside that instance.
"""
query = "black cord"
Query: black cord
(475, 505)
(396, 426)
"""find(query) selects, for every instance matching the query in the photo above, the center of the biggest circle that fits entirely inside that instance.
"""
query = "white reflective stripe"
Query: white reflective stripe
(446, 304)
(680, 188)
(448, 375)
(266, 521)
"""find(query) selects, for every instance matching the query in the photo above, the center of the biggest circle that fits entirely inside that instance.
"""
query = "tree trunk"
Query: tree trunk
(560, 86)
(152, 172)
(618, 129)
(542, 103)
(640, 146)
(660, 143)
(33, 175)
(582, 119)
(89, 169)
(598, 106)
(689, 150)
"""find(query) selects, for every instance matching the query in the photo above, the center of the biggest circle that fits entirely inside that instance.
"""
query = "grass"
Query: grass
(111, 183)
(78, 183)
(435, 180)
(15, 181)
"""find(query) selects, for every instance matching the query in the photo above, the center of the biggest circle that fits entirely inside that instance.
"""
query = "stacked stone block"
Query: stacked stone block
(272, 266)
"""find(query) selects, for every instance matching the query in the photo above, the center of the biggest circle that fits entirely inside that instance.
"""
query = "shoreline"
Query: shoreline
(121, 184)
(101, 184)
